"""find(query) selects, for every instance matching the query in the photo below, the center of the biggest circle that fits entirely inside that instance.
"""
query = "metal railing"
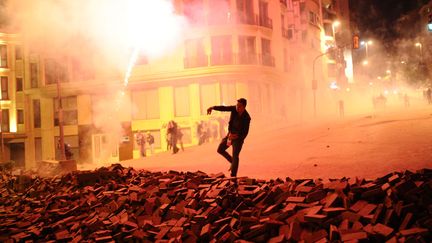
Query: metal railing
(242, 58)
(196, 61)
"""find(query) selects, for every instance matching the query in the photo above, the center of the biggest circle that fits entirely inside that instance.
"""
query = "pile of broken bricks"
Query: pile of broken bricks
(128, 205)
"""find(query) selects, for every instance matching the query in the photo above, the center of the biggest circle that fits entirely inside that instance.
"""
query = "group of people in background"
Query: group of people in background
(174, 135)
(142, 140)
(206, 131)
(210, 130)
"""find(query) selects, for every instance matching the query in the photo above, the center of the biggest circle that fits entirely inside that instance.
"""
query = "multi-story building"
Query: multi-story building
(12, 103)
(257, 49)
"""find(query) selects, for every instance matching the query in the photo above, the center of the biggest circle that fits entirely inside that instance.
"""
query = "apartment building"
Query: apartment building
(261, 50)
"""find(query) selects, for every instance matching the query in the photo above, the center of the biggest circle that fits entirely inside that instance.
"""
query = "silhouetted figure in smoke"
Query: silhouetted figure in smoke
(172, 132)
(429, 96)
(238, 129)
(180, 138)
(68, 151)
(150, 141)
(141, 141)
(222, 124)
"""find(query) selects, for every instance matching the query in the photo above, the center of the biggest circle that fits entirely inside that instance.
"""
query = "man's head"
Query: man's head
(241, 105)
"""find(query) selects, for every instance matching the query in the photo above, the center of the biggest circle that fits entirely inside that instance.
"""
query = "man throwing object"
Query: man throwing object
(238, 129)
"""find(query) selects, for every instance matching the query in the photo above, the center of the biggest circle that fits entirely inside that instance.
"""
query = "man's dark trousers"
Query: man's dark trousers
(234, 160)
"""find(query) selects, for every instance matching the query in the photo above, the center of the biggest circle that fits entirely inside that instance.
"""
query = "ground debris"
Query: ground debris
(117, 204)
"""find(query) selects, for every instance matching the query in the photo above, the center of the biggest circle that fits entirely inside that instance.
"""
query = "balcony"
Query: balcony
(267, 60)
(242, 58)
(265, 22)
(243, 18)
(246, 58)
(198, 61)
(287, 33)
(221, 59)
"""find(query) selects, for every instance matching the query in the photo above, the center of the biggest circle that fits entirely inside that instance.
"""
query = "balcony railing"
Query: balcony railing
(198, 61)
(287, 33)
(221, 59)
(230, 59)
(243, 18)
(267, 60)
(265, 22)
(246, 58)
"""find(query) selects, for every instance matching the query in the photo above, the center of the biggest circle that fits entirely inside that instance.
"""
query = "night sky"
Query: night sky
(377, 18)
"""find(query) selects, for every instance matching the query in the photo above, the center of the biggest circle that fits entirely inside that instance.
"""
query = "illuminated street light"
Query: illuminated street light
(419, 45)
(334, 25)
(366, 44)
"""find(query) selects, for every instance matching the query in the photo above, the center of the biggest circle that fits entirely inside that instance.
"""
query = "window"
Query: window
(195, 54)
(208, 96)
(18, 53)
(245, 12)
(5, 120)
(70, 113)
(53, 71)
(263, 15)
(50, 68)
(38, 149)
(145, 104)
(3, 56)
(267, 58)
(19, 84)
(4, 88)
(219, 12)
(247, 50)
(194, 11)
(36, 114)
(20, 116)
(221, 50)
(34, 75)
(228, 93)
(181, 101)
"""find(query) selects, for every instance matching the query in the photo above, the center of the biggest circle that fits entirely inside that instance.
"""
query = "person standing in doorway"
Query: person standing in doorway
(238, 129)
(150, 141)
(140, 140)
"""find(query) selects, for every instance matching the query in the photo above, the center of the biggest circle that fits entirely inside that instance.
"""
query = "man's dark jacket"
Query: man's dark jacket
(237, 124)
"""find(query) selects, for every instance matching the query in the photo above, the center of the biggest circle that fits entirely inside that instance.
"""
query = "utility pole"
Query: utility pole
(60, 118)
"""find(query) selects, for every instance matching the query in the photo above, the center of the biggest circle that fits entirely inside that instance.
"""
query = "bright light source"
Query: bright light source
(362, 43)
(429, 26)
(418, 44)
(370, 42)
(336, 23)
(403, 62)
(395, 92)
(348, 89)
(388, 71)
(333, 85)
(386, 92)
(365, 62)
(379, 77)
(370, 83)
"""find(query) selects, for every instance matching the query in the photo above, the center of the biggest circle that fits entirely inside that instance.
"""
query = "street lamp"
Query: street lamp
(418, 44)
(366, 44)
(334, 25)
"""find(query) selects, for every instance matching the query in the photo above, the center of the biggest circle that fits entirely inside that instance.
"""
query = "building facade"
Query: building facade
(257, 49)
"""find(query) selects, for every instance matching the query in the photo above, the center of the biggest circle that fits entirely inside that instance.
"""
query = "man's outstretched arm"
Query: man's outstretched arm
(220, 108)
